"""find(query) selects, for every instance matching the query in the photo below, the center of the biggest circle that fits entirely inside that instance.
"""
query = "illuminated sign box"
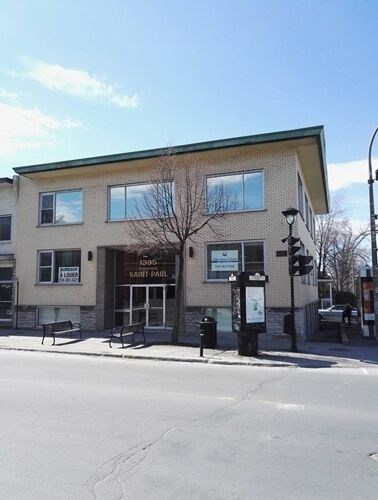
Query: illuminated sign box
(248, 302)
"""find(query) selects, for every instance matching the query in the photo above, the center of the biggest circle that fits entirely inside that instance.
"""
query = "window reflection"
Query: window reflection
(240, 191)
(253, 191)
(135, 196)
(63, 207)
(68, 207)
(117, 202)
(130, 201)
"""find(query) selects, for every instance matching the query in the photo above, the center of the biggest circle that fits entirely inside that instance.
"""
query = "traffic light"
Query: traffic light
(303, 268)
(292, 251)
(298, 264)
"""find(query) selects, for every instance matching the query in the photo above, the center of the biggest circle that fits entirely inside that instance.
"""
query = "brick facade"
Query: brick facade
(280, 163)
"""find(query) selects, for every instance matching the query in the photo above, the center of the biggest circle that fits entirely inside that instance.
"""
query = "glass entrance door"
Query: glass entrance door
(148, 304)
(153, 304)
(139, 304)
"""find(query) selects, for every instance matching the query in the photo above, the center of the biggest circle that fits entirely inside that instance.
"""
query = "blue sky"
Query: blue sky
(90, 78)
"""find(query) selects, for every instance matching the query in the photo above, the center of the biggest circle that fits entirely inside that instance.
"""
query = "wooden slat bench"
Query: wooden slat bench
(60, 328)
(127, 331)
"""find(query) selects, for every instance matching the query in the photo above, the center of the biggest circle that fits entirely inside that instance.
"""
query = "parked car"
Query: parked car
(335, 313)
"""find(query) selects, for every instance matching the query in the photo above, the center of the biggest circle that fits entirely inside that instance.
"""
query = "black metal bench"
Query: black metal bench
(60, 328)
(127, 331)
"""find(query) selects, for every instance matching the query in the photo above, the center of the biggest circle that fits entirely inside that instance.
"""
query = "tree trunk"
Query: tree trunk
(179, 321)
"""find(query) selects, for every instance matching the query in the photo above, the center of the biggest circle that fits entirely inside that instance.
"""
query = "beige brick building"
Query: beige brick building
(73, 234)
(8, 205)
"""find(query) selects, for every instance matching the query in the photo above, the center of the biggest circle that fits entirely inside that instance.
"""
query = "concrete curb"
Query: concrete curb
(211, 361)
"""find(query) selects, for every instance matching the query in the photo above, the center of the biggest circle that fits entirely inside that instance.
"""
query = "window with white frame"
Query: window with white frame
(300, 196)
(61, 207)
(310, 222)
(59, 266)
(306, 214)
(131, 201)
(222, 259)
(308, 276)
(5, 227)
(302, 251)
(242, 191)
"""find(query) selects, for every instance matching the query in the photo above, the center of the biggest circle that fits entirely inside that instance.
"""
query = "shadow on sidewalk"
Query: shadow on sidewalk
(272, 349)
(296, 361)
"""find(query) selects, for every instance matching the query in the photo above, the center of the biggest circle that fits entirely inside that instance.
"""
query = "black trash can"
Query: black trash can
(248, 344)
(208, 327)
(287, 324)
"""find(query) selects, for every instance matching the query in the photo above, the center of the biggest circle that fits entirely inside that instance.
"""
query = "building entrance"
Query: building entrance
(144, 288)
(153, 304)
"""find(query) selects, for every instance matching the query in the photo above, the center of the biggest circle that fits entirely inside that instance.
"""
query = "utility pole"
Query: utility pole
(293, 330)
(297, 264)
(373, 234)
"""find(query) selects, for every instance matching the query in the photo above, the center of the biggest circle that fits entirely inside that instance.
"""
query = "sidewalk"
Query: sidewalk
(274, 352)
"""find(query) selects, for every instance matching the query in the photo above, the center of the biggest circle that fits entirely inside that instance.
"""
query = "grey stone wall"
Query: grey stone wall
(27, 317)
(88, 317)
(275, 321)
(193, 316)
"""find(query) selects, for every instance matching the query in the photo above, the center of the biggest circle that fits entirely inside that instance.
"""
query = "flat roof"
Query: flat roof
(6, 180)
(316, 132)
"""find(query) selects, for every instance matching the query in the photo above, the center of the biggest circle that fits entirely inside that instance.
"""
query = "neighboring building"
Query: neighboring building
(8, 201)
(73, 236)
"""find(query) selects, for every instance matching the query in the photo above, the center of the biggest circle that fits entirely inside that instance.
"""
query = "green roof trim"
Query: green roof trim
(249, 140)
(6, 180)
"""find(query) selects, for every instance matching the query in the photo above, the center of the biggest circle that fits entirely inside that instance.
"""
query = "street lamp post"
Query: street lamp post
(290, 215)
(373, 233)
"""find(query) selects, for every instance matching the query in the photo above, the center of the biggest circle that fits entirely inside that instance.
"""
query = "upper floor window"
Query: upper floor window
(306, 214)
(302, 251)
(59, 266)
(140, 200)
(226, 258)
(243, 191)
(310, 219)
(5, 227)
(300, 196)
(62, 207)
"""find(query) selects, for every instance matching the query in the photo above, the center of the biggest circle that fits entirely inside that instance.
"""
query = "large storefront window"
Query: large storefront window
(59, 266)
(226, 258)
(6, 274)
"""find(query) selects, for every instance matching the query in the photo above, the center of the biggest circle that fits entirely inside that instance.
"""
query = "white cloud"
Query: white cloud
(341, 175)
(8, 95)
(22, 128)
(75, 82)
(359, 225)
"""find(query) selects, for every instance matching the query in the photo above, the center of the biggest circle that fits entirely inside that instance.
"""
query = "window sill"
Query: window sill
(129, 220)
(252, 210)
(5, 242)
(215, 281)
(58, 284)
(61, 225)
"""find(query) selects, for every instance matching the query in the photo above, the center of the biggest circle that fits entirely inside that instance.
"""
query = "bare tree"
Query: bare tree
(340, 247)
(175, 208)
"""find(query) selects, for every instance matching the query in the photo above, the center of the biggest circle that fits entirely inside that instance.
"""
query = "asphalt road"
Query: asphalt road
(80, 428)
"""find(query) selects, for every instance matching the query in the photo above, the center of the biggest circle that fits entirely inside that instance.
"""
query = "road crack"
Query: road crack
(113, 466)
